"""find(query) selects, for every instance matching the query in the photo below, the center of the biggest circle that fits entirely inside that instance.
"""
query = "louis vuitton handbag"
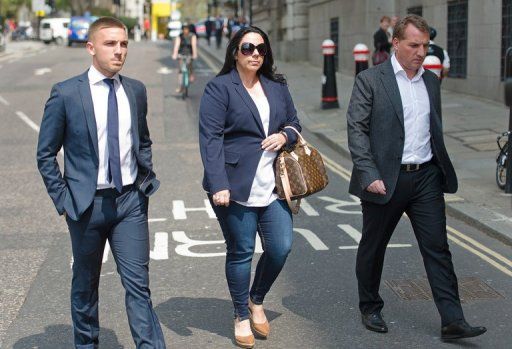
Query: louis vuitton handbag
(300, 172)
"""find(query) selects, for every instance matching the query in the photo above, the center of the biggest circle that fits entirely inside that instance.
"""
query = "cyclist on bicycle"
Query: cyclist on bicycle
(185, 47)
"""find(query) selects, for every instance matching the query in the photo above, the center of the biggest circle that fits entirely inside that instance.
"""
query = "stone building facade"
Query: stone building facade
(476, 33)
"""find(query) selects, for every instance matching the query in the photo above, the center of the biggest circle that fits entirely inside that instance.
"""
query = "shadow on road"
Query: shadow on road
(209, 314)
(61, 337)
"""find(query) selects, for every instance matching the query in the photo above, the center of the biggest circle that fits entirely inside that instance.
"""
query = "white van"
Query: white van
(54, 29)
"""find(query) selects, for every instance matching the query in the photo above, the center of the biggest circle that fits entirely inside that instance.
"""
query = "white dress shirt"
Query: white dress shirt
(416, 107)
(99, 92)
(262, 189)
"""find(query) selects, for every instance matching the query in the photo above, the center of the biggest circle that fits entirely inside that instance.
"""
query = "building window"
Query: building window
(506, 29)
(458, 38)
(335, 34)
(416, 10)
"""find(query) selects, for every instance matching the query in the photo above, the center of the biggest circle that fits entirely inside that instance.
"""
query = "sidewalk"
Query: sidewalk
(16, 49)
(471, 126)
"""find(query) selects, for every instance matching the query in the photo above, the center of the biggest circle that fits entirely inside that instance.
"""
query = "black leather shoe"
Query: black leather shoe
(460, 329)
(374, 322)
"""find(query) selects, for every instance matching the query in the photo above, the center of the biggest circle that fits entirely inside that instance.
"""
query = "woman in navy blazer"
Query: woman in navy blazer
(242, 117)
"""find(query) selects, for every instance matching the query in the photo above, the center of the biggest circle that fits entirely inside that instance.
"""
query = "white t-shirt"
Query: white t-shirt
(262, 189)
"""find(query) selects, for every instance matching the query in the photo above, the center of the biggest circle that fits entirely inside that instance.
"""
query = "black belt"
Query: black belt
(112, 192)
(414, 167)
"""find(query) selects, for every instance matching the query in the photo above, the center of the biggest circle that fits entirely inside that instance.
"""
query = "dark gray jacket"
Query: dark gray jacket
(376, 132)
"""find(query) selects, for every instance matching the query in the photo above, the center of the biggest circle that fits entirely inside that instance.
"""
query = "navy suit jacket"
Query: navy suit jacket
(69, 121)
(231, 131)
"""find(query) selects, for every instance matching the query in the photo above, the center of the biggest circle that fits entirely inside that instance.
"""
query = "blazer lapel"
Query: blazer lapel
(88, 107)
(133, 111)
(429, 84)
(391, 87)
(240, 89)
(270, 94)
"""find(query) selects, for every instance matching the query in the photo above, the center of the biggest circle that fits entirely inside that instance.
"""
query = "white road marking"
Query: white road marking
(161, 247)
(27, 120)
(4, 101)
(164, 71)
(180, 212)
(153, 220)
(42, 71)
(308, 209)
(183, 249)
(356, 236)
(312, 238)
(337, 204)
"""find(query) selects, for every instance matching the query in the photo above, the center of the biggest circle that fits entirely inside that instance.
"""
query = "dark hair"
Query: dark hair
(433, 33)
(385, 19)
(267, 69)
(105, 22)
(415, 20)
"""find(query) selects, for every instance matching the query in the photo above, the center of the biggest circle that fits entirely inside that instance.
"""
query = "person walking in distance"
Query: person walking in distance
(401, 165)
(242, 119)
(99, 118)
(380, 42)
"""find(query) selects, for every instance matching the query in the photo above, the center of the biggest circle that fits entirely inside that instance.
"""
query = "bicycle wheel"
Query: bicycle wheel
(501, 170)
(184, 85)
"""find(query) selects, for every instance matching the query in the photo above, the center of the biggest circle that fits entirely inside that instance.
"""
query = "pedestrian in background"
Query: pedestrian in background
(208, 24)
(185, 47)
(439, 52)
(242, 117)
(401, 165)
(380, 42)
(219, 29)
(99, 118)
(392, 23)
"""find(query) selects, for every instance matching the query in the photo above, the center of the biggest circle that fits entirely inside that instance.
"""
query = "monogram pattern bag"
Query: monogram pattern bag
(299, 172)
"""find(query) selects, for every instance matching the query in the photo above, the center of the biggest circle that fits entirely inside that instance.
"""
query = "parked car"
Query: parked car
(201, 29)
(22, 33)
(78, 29)
(54, 29)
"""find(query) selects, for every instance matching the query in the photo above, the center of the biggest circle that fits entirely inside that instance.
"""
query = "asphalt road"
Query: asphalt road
(312, 305)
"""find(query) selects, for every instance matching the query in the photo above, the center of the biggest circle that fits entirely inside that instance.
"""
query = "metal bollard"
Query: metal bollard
(361, 55)
(433, 64)
(329, 91)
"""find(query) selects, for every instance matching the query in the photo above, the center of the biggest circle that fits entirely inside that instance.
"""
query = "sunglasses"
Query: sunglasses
(247, 49)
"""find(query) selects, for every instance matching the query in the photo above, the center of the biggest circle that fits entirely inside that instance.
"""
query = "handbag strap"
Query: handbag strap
(286, 187)
(302, 141)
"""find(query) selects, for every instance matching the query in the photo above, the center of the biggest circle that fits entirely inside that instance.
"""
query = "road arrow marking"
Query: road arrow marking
(42, 71)
(164, 70)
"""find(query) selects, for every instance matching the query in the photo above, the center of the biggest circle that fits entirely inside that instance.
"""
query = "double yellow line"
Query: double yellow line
(492, 257)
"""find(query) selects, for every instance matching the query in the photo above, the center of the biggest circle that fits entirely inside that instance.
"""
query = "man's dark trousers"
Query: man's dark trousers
(120, 218)
(418, 194)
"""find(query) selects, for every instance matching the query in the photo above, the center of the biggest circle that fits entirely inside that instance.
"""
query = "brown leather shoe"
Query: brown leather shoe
(245, 341)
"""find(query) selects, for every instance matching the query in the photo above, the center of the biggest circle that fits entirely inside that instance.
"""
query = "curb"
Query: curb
(452, 209)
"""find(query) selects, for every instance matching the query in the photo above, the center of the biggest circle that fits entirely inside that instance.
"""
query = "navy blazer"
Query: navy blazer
(231, 131)
(69, 121)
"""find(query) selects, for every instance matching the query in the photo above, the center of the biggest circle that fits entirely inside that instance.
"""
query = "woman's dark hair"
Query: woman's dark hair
(267, 69)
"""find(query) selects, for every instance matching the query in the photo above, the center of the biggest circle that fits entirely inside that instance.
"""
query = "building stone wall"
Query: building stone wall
(298, 27)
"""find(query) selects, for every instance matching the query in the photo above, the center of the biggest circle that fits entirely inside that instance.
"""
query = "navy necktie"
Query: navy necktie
(114, 162)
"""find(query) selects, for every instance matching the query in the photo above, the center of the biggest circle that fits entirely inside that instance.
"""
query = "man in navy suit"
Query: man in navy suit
(99, 118)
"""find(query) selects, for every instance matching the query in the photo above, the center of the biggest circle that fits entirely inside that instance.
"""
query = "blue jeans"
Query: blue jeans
(239, 225)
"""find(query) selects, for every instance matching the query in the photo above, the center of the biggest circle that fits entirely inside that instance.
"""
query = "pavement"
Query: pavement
(17, 49)
(471, 125)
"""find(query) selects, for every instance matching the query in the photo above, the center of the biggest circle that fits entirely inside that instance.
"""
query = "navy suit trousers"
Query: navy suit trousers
(120, 218)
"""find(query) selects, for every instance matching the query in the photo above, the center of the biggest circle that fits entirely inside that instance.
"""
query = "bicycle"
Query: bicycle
(502, 161)
(185, 61)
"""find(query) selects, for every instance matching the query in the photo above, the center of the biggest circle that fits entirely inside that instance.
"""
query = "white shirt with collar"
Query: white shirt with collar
(99, 92)
(416, 107)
